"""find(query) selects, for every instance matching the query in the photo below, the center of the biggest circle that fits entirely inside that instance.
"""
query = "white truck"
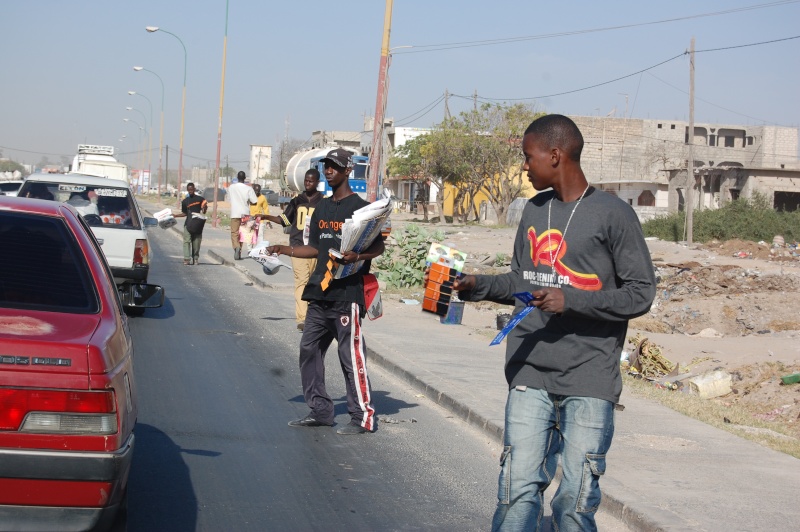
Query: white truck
(111, 211)
(98, 161)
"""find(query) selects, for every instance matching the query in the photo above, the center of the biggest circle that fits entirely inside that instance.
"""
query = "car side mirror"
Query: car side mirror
(150, 221)
(142, 295)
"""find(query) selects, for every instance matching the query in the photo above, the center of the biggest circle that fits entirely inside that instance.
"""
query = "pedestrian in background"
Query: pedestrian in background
(241, 196)
(582, 255)
(257, 217)
(296, 216)
(335, 312)
(193, 226)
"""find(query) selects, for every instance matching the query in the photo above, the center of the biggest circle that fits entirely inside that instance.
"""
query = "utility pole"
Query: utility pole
(214, 217)
(690, 162)
(380, 108)
(446, 104)
(475, 100)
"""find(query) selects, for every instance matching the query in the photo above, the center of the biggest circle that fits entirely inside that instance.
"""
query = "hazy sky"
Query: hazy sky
(313, 64)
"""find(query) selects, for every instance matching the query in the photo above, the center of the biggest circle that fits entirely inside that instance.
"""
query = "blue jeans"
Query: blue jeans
(539, 427)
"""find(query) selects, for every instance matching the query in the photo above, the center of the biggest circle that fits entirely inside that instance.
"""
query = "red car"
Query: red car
(67, 389)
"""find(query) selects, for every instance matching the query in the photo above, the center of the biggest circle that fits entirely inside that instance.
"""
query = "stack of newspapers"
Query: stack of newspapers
(358, 234)
(165, 218)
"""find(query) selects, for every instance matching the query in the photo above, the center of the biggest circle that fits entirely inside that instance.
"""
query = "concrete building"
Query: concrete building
(641, 161)
(339, 139)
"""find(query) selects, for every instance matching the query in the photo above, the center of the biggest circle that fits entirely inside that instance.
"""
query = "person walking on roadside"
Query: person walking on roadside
(241, 196)
(335, 312)
(581, 253)
(296, 216)
(250, 228)
(192, 227)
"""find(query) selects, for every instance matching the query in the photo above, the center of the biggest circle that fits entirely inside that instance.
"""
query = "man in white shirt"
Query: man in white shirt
(241, 197)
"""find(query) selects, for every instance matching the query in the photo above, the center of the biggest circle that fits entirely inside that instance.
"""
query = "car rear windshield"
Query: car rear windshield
(43, 267)
(9, 186)
(99, 206)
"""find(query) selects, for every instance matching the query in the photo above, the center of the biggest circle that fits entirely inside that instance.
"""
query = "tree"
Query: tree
(280, 158)
(408, 162)
(492, 137)
(11, 166)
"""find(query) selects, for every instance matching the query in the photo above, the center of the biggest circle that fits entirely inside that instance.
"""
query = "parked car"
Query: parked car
(68, 401)
(110, 209)
(10, 188)
(273, 198)
(208, 194)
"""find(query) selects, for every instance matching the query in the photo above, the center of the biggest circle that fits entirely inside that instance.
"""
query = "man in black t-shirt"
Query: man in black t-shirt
(193, 228)
(296, 216)
(335, 312)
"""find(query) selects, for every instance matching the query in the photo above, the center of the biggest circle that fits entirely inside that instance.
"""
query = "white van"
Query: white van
(110, 209)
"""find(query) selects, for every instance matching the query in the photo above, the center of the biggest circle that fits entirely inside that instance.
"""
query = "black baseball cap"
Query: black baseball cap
(340, 157)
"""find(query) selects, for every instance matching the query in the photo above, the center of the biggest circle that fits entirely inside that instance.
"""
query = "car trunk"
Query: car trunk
(45, 349)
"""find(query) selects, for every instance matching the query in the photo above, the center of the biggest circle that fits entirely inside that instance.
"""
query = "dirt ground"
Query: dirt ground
(728, 306)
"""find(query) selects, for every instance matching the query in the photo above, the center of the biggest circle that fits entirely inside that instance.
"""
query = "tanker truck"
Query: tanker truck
(302, 161)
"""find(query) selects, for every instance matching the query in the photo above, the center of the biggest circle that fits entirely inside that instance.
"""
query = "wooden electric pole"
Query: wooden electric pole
(690, 162)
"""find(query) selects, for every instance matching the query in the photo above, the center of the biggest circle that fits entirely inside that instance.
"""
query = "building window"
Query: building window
(659, 126)
(712, 140)
(672, 126)
(749, 141)
(646, 199)
(729, 142)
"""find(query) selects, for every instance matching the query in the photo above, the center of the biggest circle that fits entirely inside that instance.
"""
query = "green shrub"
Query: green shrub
(403, 264)
(752, 219)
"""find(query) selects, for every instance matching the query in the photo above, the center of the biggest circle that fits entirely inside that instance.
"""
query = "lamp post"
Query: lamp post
(161, 132)
(153, 29)
(149, 137)
(139, 143)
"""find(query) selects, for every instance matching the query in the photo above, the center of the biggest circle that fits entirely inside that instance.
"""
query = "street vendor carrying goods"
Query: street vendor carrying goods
(346, 227)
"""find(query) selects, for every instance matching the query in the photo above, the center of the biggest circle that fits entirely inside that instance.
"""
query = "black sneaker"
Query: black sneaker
(351, 428)
(300, 325)
(308, 421)
(237, 254)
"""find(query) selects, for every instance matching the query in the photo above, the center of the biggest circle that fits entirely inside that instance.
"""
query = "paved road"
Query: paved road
(217, 381)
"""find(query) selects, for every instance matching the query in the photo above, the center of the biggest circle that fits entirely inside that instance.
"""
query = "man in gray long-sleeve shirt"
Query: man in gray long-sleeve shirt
(581, 253)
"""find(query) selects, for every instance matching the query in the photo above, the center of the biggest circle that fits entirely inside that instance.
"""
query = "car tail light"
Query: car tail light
(140, 253)
(57, 411)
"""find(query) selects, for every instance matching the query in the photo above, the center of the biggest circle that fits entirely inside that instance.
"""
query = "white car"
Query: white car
(10, 188)
(110, 209)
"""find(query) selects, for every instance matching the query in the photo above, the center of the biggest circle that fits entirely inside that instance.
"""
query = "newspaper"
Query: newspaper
(270, 262)
(165, 218)
(358, 234)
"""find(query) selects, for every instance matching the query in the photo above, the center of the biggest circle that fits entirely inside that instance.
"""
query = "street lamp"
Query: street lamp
(161, 133)
(153, 29)
(149, 136)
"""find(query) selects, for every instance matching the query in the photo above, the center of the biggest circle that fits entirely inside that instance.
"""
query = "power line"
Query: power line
(415, 49)
(713, 104)
(635, 73)
(429, 107)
